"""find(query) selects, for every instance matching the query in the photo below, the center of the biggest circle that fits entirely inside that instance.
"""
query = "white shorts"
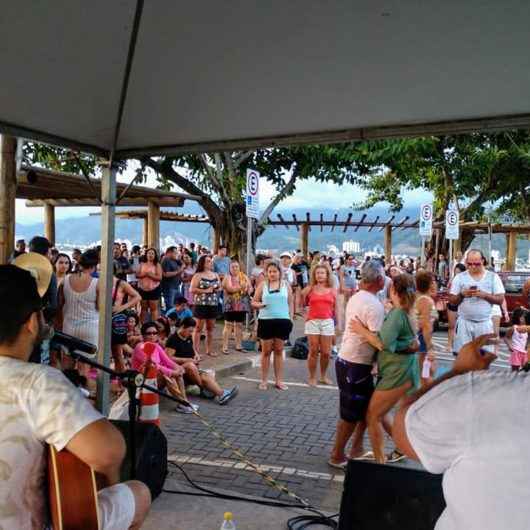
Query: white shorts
(467, 330)
(116, 507)
(320, 326)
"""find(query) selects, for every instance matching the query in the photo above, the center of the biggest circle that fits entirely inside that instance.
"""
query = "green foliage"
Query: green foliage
(474, 168)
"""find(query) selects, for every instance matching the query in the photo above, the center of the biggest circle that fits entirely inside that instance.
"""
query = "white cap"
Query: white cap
(285, 255)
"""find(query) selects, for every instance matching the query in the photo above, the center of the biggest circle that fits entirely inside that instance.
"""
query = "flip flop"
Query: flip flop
(368, 455)
(226, 352)
(263, 386)
(281, 386)
(213, 354)
(340, 465)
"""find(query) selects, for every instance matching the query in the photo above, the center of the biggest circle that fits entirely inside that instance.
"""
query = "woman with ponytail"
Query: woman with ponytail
(397, 362)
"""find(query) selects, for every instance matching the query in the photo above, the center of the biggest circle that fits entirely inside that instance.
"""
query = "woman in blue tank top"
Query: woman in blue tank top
(274, 299)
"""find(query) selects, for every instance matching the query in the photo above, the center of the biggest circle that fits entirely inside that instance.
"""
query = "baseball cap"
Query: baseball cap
(285, 255)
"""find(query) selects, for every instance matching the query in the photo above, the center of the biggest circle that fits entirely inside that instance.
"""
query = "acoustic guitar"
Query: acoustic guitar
(72, 491)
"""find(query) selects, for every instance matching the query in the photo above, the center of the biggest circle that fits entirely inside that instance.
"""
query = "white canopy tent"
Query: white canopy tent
(211, 75)
(129, 77)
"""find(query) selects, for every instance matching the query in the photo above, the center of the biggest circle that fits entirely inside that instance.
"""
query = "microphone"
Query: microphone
(73, 344)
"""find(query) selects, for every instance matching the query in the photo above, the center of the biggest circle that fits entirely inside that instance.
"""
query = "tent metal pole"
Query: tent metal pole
(108, 207)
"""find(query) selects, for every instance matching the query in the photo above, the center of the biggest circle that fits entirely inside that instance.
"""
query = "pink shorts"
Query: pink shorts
(518, 358)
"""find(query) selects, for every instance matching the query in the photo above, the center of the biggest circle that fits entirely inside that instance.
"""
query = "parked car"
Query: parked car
(513, 282)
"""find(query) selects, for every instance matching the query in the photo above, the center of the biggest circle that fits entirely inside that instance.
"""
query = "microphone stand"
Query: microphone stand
(132, 380)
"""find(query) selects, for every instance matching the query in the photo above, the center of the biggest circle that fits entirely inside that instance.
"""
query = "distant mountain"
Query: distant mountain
(86, 230)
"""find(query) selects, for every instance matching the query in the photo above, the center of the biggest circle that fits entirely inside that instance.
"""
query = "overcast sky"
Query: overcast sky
(309, 194)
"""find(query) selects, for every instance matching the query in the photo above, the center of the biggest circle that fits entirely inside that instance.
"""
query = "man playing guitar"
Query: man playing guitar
(39, 406)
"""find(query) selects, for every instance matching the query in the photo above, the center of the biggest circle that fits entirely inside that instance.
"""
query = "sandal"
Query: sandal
(281, 386)
(263, 386)
(213, 354)
(226, 352)
(339, 465)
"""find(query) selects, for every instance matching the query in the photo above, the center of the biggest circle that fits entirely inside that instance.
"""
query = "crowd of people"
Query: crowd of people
(384, 312)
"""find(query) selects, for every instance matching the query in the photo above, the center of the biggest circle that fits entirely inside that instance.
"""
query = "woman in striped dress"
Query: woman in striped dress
(78, 298)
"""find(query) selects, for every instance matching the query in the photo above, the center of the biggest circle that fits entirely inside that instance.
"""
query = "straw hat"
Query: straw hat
(39, 267)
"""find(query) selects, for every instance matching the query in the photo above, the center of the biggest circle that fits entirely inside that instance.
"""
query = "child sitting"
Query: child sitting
(181, 309)
(516, 339)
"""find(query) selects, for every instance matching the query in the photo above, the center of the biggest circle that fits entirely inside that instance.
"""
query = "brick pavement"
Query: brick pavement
(291, 431)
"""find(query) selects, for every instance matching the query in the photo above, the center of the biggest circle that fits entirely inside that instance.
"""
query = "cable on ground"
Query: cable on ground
(300, 522)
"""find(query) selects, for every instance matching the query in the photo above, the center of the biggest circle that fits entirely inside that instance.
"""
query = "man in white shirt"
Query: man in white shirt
(39, 406)
(475, 291)
(287, 272)
(354, 362)
(473, 427)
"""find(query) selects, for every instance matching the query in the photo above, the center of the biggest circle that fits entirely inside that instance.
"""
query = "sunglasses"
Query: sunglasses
(474, 263)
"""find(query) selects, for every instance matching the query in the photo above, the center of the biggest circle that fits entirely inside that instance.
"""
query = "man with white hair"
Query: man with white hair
(475, 291)
(355, 361)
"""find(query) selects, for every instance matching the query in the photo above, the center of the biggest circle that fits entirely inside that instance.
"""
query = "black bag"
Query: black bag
(300, 349)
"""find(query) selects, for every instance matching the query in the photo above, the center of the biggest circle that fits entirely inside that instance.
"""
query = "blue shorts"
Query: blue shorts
(356, 386)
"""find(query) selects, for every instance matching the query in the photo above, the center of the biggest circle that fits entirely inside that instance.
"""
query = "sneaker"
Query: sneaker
(194, 406)
(395, 456)
(228, 395)
(334, 352)
(183, 409)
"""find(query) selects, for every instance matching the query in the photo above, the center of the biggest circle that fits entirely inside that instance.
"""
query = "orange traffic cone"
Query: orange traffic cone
(149, 400)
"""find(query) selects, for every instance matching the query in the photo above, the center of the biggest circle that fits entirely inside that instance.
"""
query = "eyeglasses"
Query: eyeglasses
(474, 263)
(151, 333)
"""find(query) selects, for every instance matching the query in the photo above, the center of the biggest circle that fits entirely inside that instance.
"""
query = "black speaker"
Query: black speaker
(151, 456)
(390, 497)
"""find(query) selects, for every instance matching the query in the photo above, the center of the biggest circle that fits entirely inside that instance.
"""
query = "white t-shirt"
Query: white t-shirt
(371, 312)
(38, 406)
(475, 308)
(288, 274)
(482, 449)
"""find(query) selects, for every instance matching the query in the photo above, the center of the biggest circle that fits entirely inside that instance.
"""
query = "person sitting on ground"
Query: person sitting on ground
(180, 348)
(41, 407)
(164, 330)
(180, 309)
(169, 372)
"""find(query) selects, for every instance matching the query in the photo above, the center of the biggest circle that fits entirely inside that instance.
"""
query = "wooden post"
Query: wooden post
(216, 240)
(8, 191)
(108, 207)
(388, 244)
(304, 239)
(153, 225)
(511, 250)
(145, 231)
(49, 223)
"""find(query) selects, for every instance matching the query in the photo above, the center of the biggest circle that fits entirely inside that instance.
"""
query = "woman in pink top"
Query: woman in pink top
(149, 276)
(321, 297)
(169, 371)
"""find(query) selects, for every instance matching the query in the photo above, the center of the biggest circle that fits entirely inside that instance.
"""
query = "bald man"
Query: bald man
(475, 291)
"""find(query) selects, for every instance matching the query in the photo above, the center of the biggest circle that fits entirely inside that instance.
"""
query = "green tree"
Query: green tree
(473, 169)
(219, 179)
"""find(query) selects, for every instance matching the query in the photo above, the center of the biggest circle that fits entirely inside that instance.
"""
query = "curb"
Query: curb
(225, 371)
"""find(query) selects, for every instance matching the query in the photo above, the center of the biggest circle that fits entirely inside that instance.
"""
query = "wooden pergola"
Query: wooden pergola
(49, 189)
(164, 216)
(304, 227)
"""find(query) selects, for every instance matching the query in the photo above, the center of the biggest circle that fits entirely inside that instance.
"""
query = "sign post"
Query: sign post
(252, 210)
(425, 227)
(452, 219)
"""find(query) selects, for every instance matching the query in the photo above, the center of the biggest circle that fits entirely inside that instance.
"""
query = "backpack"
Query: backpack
(300, 349)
